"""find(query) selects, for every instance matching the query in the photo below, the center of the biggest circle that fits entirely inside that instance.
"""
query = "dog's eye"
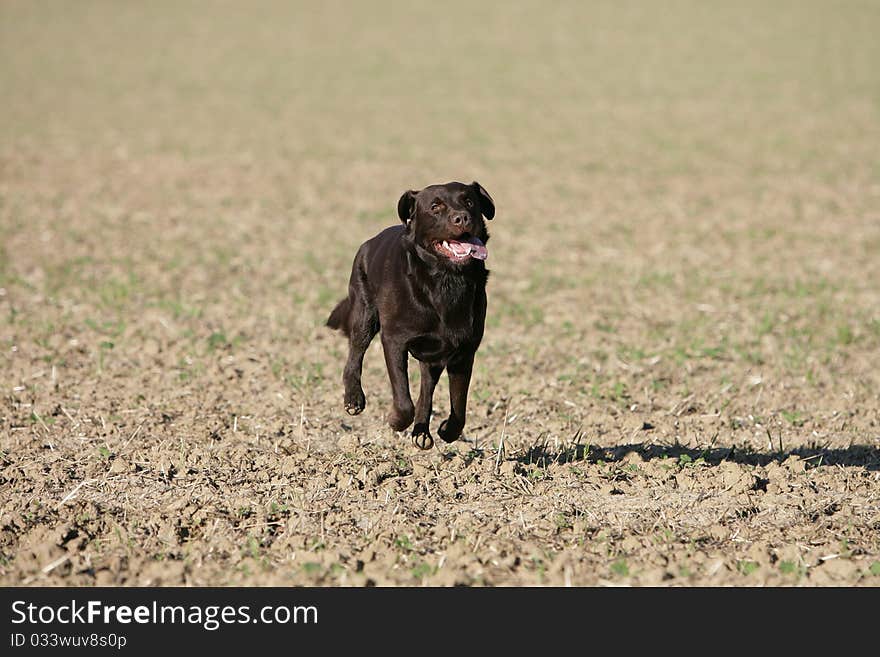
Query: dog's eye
(469, 203)
(436, 206)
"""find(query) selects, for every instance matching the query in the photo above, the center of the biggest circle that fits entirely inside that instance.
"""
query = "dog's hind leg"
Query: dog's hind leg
(363, 324)
(421, 435)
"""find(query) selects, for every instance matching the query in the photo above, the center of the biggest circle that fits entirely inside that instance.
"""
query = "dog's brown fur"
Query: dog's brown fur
(426, 302)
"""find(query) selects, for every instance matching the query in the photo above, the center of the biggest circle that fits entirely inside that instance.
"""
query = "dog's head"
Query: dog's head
(447, 221)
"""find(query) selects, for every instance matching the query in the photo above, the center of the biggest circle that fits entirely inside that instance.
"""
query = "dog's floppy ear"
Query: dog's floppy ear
(487, 205)
(406, 206)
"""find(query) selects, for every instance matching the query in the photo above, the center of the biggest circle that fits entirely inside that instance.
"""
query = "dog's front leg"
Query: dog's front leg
(421, 434)
(459, 380)
(396, 356)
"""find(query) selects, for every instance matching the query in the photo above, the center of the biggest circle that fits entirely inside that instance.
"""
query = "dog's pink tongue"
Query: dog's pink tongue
(478, 249)
(473, 248)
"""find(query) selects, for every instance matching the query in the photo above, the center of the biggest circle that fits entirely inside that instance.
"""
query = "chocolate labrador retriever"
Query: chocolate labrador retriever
(422, 283)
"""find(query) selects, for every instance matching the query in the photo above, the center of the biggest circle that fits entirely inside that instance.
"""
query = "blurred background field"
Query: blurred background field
(683, 341)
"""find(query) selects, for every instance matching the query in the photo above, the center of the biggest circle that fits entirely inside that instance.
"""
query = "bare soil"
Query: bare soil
(680, 380)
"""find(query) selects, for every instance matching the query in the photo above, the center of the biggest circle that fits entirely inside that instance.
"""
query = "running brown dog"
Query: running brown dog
(423, 284)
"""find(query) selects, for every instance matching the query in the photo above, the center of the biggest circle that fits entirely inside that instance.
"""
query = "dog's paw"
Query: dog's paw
(421, 437)
(400, 419)
(355, 402)
(449, 433)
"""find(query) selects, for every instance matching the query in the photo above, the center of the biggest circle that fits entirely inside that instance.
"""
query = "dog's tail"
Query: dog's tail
(339, 317)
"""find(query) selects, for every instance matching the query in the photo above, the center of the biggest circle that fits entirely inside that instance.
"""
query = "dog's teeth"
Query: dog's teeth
(445, 244)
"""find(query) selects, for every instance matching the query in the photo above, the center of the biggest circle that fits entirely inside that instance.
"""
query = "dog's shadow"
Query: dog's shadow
(856, 455)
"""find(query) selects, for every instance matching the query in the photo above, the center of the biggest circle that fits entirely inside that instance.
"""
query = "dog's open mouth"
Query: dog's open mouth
(460, 251)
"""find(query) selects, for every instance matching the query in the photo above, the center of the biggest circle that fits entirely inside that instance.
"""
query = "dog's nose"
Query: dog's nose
(461, 221)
